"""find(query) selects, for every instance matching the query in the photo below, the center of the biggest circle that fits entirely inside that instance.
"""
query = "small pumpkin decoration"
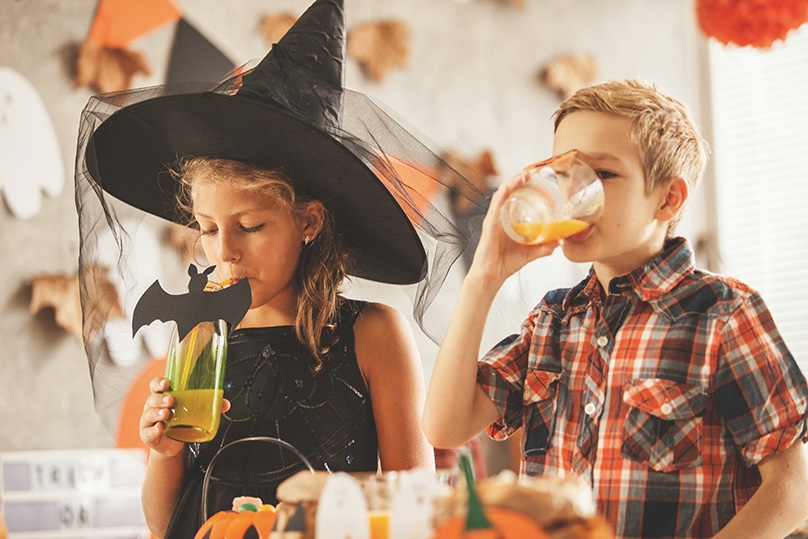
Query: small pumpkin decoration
(490, 523)
(249, 522)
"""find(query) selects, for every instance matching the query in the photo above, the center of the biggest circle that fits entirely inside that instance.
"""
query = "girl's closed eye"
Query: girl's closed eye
(605, 174)
(252, 228)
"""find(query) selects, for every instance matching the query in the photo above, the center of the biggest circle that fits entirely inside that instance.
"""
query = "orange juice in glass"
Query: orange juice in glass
(379, 491)
(379, 521)
(195, 369)
(563, 197)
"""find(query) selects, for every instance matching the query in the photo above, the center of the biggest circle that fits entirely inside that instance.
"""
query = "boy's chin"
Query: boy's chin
(575, 252)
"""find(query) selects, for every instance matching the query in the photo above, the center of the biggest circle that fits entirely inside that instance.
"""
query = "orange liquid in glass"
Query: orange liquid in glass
(533, 233)
(379, 525)
(196, 415)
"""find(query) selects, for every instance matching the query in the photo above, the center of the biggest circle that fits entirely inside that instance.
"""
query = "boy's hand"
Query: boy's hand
(498, 256)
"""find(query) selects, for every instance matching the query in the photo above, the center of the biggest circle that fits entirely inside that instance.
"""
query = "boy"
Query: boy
(668, 388)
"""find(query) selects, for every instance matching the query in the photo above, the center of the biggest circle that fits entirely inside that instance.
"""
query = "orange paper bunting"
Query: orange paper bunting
(758, 23)
(119, 22)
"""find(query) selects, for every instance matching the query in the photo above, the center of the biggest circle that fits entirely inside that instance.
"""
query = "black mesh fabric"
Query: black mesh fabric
(113, 233)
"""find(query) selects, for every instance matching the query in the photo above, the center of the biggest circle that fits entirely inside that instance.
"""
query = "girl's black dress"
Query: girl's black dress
(275, 391)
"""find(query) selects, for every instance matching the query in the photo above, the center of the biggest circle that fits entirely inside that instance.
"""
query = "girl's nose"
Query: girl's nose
(228, 247)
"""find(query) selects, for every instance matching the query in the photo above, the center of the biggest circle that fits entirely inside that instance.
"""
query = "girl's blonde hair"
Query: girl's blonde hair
(323, 263)
(669, 142)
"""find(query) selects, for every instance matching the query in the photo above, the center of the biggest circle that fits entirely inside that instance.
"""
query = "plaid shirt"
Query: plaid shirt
(664, 395)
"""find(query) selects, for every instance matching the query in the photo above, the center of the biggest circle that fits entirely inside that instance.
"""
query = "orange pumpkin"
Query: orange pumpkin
(504, 524)
(247, 523)
(486, 523)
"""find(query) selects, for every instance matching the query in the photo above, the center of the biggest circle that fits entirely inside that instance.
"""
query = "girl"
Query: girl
(286, 175)
(304, 365)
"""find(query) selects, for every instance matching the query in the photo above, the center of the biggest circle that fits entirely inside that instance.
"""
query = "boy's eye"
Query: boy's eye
(605, 174)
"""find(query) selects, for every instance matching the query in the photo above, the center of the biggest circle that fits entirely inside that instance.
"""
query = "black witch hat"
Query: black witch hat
(286, 114)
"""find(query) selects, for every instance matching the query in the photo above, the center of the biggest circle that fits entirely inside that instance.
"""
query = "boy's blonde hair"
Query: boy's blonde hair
(323, 263)
(668, 140)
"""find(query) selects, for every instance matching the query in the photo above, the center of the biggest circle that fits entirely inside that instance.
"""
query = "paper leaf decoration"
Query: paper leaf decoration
(479, 172)
(60, 292)
(108, 70)
(758, 23)
(273, 27)
(119, 22)
(30, 159)
(379, 47)
(569, 73)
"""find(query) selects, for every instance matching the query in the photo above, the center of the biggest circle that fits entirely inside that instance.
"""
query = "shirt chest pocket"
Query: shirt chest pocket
(663, 425)
(540, 399)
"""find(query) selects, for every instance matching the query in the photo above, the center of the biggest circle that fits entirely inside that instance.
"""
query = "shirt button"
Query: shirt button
(603, 340)
(590, 408)
(666, 408)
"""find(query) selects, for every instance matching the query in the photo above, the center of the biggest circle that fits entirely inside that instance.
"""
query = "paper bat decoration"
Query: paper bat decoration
(188, 310)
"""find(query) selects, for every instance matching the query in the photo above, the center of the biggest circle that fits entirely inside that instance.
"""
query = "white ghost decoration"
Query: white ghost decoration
(342, 512)
(124, 348)
(411, 510)
(30, 159)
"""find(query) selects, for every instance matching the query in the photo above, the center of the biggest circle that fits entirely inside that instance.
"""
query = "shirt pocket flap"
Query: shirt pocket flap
(666, 399)
(540, 385)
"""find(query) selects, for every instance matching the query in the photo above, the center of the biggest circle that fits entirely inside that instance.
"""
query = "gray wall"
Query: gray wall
(471, 85)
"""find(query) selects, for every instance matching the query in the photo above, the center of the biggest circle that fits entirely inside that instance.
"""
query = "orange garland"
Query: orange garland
(758, 23)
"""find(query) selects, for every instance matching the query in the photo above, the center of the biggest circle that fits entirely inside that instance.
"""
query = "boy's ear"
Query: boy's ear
(673, 200)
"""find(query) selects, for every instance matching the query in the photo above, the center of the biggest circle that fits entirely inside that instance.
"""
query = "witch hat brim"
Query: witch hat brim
(130, 154)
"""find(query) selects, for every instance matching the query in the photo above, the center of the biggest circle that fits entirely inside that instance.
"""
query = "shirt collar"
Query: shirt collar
(655, 278)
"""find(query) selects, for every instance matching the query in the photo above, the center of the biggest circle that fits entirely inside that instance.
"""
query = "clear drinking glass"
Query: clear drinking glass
(563, 197)
(195, 369)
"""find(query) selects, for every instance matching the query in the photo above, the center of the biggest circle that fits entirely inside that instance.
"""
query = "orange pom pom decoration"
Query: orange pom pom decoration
(758, 23)
(245, 524)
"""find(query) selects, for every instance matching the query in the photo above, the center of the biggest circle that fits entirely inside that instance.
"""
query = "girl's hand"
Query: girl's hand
(497, 256)
(157, 410)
